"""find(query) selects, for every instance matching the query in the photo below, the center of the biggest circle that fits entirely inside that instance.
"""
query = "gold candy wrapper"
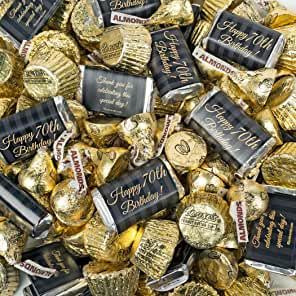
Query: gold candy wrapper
(25, 102)
(5, 5)
(126, 48)
(268, 121)
(12, 241)
(51, 73)
(218, 267)
(230, 240)
(111, 280)
(200, 31)
(6, 106)
(210, 8)
(250, 11)
(254, 194)
(279, 168)
(70, 207)
(279, 17)
(185, 151)
(9, 279)
(143, 289)
(194, 288)
(204, 219)
(155, 251)
(78, 110)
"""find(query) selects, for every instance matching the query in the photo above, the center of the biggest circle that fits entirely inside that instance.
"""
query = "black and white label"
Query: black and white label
(32, 268)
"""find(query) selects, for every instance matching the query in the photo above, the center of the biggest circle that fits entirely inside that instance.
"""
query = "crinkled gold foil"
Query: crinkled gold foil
(279, 17)
(73, 240)
(155, 251)
(6, 106)
(51, 73)
(12, 241)
(174, 125)
(254, 194)
(143, 289)
(126, 48)
(279, 168)
(204, 219)
(111, 280)
(230, 240)
(162, 109)
(5, 4)
(25, 102)
(70, 207)
(9, 279)
(194, 289)
(77, 109)
(218, 267)
(210, 8)
(249, 10)
(200, 31)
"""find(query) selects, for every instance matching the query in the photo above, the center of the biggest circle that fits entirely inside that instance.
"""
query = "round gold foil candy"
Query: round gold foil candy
(105, 279)
(279, 17)
(126, 48)
(218, 267)
(194, 289)
(9, 279)
(70, 207)
(247, 286)
(102, 130)
(279, 168)
(25, 102)
(12, 241)
(202, 180)
(6, 106)
(185, 151)
(254, 194)
(261, 275)
(40, 177)
(200, 31)
(155, 250)
(51, 73)
(204, 219)
(267, 120)
(56, 40)
(230, 240)
(87, 23)
(73, 240)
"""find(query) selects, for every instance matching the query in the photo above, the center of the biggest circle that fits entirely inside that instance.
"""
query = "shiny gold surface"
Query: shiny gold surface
(194, 289)
(9, 279)
(6, 106)
(279, 17)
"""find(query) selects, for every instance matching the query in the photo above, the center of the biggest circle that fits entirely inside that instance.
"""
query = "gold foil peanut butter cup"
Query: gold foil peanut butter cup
(204, 219)
(218, 267)
(210, 8)
(200, 31)
(194, 289)
(25, 102)
(279, 168)
(51, 73)
(9, 279)
(156, 248)
(126, 48)
(185, 151)
(106, 279)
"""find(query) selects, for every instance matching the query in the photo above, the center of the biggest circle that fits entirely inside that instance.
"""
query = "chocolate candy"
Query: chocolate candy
(239, 40)
(23, 133)
(137, 195)
(172, 66)
(240, 140)
(193, 288)
(23, 209)
(115, 93)
(9, 279)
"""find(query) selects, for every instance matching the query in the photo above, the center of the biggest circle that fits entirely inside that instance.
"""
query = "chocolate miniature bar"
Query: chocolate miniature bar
(115, 93)
(272, 238)
(240, 140)
(23, 19)
(23, 209)
(172, 66)
(23, 133)
(137, 195)
(242, 41)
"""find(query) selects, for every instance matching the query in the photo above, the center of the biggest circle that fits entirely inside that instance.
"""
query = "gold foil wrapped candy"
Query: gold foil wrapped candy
(105, 279)
(185, 151)
(25, 102)
(12, 241)
(70, 207)
(249, 10)
(6, 106)
(279, 168)
(154, 252)
(210, 8)
(218, 267)
(204, 219)
(200, 31)
(9, 279)
(143, 289)
(254, 194)
(73, 240)
(279, 17)
(78, 110)
(194, 289)
(126, 48)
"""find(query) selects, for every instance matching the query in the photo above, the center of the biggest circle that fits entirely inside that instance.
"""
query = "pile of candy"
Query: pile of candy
(147, 147)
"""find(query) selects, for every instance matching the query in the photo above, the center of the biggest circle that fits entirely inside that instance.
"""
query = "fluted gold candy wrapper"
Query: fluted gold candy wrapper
(200, 31)
(25, 102)
(156, 248)
(194, 289)
(162, 109)
(12, 241)
(9, 279)
(185, 151)
(218, 267)
(204, 219)
(210, 8)
(105, 279)
(267, 120)
(254, 194)
(126, 48)
(279, 168)
(70, 207)
(6, 106)
(73, 240)
(279, 17)
(87, 25)
(143, 289)
(51, 73)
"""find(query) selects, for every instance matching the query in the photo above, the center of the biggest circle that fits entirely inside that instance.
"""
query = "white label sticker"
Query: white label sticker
(283, 292)
(59, 145)
(238, 211)
(123, 18)
(32, 268)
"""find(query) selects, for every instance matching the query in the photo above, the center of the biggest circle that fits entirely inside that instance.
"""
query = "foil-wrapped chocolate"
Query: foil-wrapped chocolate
(137, 195)
(194, 288)
(279, 17)
(73, 241)
(210, 8)
(200, 31)
(25, 102)
(6, 106)
(249, 9)
(9, 279)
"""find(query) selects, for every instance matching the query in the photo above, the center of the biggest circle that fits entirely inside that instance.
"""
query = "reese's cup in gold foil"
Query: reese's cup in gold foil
(200, 31)
(9, 279)
(210, 8)
(110, 279)
(25, 102)
(194, 288)
(155, 250)
(204, 219)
